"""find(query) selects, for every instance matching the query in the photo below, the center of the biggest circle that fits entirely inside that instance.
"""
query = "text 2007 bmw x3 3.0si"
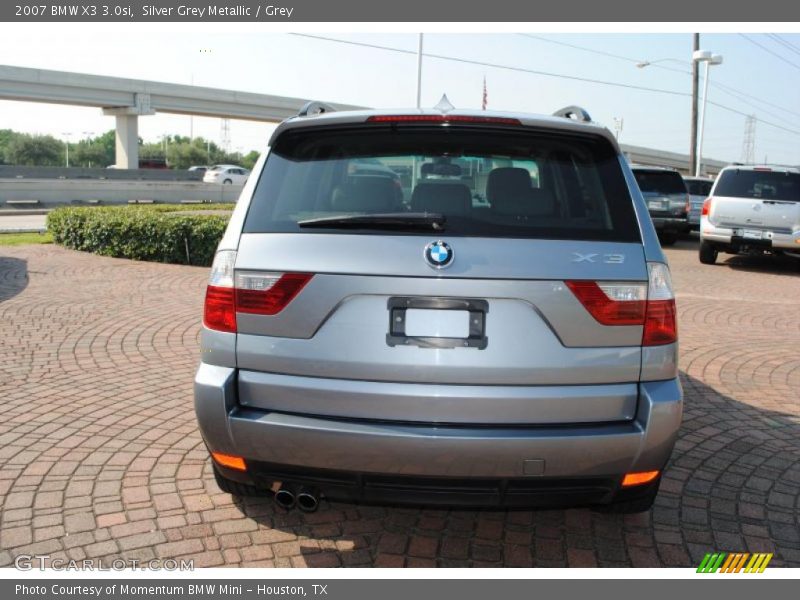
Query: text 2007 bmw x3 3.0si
(462, 308)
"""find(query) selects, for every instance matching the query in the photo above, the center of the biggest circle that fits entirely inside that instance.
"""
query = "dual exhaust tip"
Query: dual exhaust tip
(304, 498)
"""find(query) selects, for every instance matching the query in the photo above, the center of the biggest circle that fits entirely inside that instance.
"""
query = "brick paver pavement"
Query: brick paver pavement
(100, 455)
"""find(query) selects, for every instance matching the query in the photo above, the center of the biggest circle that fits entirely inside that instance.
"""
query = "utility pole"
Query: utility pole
(419, 70)
(67, 134)
(695, 86)
(749, 142)
(618, 123)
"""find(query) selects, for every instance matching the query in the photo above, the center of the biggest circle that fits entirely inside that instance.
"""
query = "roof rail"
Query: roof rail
(314, 108)
(575, 113)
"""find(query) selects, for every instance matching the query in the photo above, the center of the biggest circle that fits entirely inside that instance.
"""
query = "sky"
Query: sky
(760, 75)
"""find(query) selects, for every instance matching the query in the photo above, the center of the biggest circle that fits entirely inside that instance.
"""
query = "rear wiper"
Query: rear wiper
(399, 221)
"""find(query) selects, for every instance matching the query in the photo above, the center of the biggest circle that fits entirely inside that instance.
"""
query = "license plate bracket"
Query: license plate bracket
(476, 308)
(751, 234)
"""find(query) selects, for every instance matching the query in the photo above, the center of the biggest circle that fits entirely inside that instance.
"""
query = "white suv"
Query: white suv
(752, 209)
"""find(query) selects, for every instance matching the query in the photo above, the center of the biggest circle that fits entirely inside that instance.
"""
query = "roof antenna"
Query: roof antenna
(444, 105)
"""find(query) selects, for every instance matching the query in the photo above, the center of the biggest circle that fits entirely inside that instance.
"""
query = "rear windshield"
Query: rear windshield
(660, 182)
(768, 185)
(699, 188)
(487, 183)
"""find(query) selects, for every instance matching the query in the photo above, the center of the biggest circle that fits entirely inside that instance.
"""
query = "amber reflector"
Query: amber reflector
(230, 461)
(631, 479)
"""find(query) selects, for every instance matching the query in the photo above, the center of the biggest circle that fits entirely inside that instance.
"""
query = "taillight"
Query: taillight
(612, 303)
(688, 208)
(660, 322)
(651, 305)
(219, 311)
(252, 292)
(442, 119)
(267, 293)
(706, 207)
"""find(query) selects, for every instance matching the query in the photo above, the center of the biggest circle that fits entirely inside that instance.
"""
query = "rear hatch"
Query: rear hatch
(464, 260)
(664, 192)
(760, 199)
(699, 189)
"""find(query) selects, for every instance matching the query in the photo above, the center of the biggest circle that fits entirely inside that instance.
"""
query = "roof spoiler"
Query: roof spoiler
(576, 113)
(314, 108)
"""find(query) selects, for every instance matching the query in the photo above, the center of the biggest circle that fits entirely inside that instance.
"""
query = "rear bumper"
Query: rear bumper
(277, 442)
(726, 236)
(528, 492)
(676, 224)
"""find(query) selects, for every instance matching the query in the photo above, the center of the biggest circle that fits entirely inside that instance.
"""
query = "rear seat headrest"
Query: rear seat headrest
(446, 198)
(510, 192)
(366, 193)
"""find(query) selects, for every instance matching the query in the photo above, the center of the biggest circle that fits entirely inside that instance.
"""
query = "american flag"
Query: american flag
(485, 95)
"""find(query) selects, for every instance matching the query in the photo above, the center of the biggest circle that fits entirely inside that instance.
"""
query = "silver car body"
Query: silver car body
(699, 189)
(553, 395)
(758, 214)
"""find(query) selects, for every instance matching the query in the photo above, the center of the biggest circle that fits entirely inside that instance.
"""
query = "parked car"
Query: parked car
(699, 189)
(752, 209)
(226, 174)
(153, 163)
(357, 345)
(667, 201)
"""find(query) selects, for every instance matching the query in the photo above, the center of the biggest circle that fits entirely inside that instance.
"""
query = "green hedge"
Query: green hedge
(153, 233)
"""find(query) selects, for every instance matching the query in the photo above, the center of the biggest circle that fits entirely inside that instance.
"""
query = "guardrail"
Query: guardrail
(48, 193)
(21, 172)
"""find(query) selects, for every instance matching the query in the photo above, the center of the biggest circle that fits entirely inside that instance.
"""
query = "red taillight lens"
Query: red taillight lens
(609, 311)
(255, 292)
(660, 324)
(219, 312)
(651, 305)
(706, 206)
(442, 119)
(267, 293)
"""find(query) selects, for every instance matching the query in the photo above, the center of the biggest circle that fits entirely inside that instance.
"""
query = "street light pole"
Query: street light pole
(695, 85)
(709, 59)
(67, 135)
(699, 157)
(419, 71)
(419, 105)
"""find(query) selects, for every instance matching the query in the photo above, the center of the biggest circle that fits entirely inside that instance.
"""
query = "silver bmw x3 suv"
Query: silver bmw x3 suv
(483, 318)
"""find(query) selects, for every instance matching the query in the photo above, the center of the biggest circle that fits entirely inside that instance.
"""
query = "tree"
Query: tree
(151, 150)
(249, 159)
(107, 141)
(90, 155)
(185, 155)
(6, 135)
(35, 150)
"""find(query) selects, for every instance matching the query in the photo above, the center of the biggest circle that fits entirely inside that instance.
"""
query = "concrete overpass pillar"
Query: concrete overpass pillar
(128, 129)
(127, 142)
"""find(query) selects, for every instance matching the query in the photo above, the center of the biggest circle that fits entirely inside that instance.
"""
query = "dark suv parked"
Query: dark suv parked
(667, 199)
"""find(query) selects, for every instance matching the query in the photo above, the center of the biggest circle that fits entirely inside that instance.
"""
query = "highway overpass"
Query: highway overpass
(129, 99)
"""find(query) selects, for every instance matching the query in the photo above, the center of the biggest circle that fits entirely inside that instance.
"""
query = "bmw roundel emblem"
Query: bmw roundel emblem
(439, 254)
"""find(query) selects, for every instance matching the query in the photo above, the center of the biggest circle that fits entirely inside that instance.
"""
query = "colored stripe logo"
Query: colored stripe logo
(734, 562)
